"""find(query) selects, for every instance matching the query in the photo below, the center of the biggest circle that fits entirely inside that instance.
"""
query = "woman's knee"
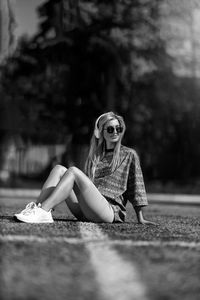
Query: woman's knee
(59, 170)
(74, 169)
(82, 181)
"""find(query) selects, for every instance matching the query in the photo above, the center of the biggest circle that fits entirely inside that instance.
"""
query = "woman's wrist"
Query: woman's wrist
(139, 214)
(140, 218)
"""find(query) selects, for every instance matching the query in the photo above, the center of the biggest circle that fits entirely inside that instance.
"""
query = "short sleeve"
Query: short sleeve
(136, 192)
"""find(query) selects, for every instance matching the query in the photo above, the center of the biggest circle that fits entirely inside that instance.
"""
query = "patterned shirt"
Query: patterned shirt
(123, 184)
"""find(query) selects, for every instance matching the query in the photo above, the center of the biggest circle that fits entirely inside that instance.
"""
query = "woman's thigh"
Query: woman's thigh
(94, 206)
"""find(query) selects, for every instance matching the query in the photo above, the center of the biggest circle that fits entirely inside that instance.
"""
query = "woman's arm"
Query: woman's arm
(136, 192)
(140, 217)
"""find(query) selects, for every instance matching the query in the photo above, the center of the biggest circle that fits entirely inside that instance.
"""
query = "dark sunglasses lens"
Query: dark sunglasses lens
(119, 129)
(110, 129)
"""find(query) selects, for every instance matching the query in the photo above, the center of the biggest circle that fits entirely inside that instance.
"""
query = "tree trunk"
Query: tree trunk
(7, 25)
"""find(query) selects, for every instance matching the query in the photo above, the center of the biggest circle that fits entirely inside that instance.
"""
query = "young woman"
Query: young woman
(112, 177)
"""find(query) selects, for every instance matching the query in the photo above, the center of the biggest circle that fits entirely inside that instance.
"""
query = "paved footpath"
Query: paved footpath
(156, 198)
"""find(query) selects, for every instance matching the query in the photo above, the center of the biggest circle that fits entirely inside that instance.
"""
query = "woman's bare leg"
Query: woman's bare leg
(94, 206)
(53, 179)
(50, 184)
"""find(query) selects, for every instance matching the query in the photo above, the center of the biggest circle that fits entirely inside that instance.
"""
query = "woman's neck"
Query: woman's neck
(111, 150)
(110, 146)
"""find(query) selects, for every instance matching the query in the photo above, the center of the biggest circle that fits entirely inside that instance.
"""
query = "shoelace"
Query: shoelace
(29, 207)
(32, 210)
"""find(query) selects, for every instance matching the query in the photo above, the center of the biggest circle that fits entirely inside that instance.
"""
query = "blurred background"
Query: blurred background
(64, 62)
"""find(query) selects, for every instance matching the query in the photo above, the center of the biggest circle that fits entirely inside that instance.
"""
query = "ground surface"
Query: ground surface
(76, 260)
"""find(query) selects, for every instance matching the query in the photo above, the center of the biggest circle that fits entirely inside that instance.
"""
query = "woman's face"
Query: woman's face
(111, 133)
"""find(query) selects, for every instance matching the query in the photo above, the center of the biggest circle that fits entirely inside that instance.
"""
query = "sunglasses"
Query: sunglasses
(111, 129)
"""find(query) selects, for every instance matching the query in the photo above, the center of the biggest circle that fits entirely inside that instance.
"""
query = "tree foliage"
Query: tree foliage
(92, 56)
(91, 52)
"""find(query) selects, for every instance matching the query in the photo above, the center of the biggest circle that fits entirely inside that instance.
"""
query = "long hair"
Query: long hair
(98, 144)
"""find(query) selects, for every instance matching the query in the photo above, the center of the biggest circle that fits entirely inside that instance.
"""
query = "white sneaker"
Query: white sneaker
(28, 207)
(33, 213)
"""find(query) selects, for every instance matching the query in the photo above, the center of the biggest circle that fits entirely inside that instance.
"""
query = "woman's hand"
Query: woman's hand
(146, 222)
(140, 218)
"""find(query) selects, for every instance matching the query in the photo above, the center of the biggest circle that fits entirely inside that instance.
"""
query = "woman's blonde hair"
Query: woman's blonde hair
(98, 145)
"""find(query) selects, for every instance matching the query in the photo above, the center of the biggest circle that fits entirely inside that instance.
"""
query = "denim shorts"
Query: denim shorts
(119, 212)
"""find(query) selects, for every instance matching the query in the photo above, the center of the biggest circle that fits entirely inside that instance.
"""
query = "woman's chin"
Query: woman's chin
(114, 140)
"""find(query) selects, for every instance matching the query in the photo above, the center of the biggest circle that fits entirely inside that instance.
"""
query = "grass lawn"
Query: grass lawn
(55, 263)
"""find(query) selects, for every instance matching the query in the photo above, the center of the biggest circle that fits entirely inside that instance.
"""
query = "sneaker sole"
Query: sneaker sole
(36, 222)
